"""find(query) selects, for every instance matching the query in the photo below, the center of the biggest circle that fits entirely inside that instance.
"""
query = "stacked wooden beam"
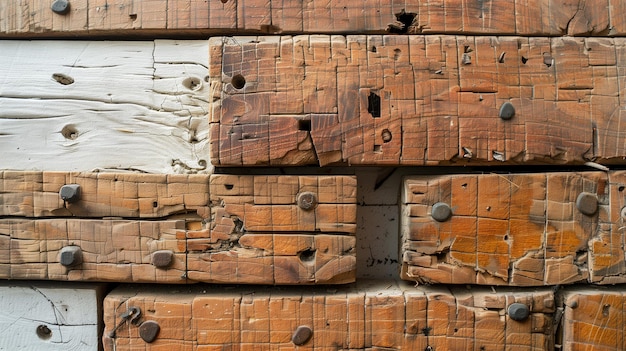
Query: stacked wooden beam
(233, 153)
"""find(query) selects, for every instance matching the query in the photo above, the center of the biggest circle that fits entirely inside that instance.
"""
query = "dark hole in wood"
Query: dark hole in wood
(238, 81)
(304, 124)
(43, 332)
(63, 78)
(405, 19)
(524, 60)
(621, 188)
(307, 255)
(373, 48)
(228, 186)
(155, 204)
(133, 16)
(373, 105)
(69, 132)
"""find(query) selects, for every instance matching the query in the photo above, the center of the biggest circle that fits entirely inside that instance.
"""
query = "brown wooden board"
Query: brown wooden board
(593, 319)
(514, 229)
(178, 228)
(155, 17)
(369, 316)
(415, 100)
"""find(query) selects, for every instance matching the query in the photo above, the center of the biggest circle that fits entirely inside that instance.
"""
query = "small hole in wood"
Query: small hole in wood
(404, 20)
(192, 83)
(307, 255)
(63, 78)
(43, 332)
(396, 54)
(373, 48)
(224, 1)
(69, 132)
(133, 16)
(386, 135)
(207, 78)
(228, 186)
(377, 148)
(238, 81)
(621, 188)
(524, 60)
(304, 124)
(373, 105)
(155, 204)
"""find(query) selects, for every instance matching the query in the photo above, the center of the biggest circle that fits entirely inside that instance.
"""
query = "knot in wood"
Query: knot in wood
(306, 200)
(302, 335)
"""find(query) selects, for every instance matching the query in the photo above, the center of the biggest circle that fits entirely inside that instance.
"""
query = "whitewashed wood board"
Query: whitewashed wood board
(42, 316)
(138, 105)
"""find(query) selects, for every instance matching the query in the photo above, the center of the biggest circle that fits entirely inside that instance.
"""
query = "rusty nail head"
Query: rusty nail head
(70, 192)
(441, 212)
(307, 200)
(149, 330)
(60, 7)
(507, 111)
(71, 256)
(587, 203)
(302, 335)
(518, 311)
(162, 258)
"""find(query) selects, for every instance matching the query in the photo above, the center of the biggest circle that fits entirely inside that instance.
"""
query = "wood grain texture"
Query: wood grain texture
(88, 105)
(368, 316)
(152, 17)
(514, 229)
(415, 100)
(41, 316)
(593, 319)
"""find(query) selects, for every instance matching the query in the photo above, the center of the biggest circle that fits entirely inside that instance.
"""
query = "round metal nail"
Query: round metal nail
(162, 258)
(71, 256)
(441, 212)
(507, 111)
(518, 311)
(306, 200)
(70, 192)
(149, 330)
(302, 335)
(60, 7)
(587, 203)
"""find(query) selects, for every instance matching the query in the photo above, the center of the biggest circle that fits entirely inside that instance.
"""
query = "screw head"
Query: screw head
(60, 7)
(587, 203)
(70, 192)
(518, 311)
(162, 258)
(306, 200)
(71, 256)
(507, 111)
(302, 335)
(441, 212)
(149, 330)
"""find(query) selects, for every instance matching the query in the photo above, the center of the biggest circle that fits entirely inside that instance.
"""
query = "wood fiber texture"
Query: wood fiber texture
(178, 228)
(415, 100)
(369, 316)
(34, 18)
(112, 105)
(515, 229)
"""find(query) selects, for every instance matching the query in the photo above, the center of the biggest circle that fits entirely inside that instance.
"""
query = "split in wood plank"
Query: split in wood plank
(34, 18)
(416, 100)
(376, 315)
(514, 229)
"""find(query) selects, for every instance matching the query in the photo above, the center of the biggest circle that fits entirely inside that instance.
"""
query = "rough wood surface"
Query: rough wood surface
(45, 317)
(86, 105)
(415, 100)
(178, 228)
(369, 316)
(154, 17)
(593, 319)
(515, 229)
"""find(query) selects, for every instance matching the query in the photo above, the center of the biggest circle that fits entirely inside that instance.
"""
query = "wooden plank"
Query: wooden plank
(84, 106)
(34, 18)
(415, 100)
(368, 316)
(41, 316)
(513, 229)
(593, 319)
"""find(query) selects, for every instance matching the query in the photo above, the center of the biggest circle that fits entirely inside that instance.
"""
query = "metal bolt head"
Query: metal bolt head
(518, 312)
(162, 258)
(71, 256)
(306, 200)
(149, 330)
(507, 111)
(441, 212)
(60, 7)
(587, 203)
(70, 192)
(302, 335)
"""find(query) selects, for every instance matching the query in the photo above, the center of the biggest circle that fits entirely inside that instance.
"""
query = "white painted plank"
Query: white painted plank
(132, 105)
(45, 316)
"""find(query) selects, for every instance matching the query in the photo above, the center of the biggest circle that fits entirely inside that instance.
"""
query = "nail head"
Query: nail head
(149, 330)
(70, 192)
(162, 258)
(302, 335)
(518, 312)
(306, 200)
(60, 7)
(587, 203)
(507, 111)
(71, 256)
(441, 212)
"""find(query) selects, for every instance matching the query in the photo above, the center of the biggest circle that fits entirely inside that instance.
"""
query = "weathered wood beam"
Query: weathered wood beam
(416, 100)
(86, 105)
(34, 18)
(514, 229)
(371, 315)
